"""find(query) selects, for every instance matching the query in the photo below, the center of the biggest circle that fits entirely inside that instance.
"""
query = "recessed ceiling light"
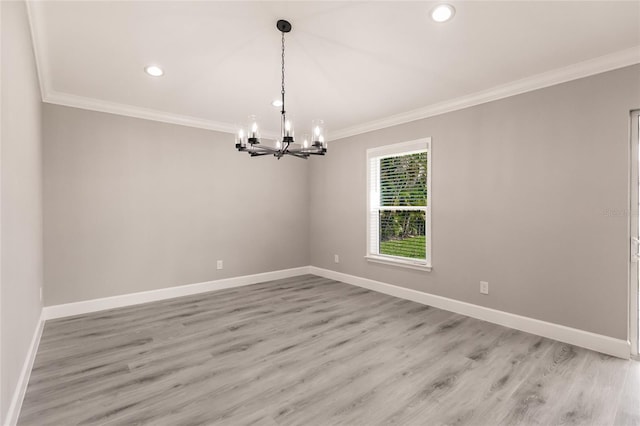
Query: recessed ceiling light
(277, 103)
(154, 70)
(442, 12)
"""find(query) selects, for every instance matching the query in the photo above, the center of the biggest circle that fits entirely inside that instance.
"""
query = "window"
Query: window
(399, 204)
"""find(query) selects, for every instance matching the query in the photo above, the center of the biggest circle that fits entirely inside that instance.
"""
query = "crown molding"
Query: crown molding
(49, 95)
(99, 105)
(587, 68)
(39, 47)
(598, 65)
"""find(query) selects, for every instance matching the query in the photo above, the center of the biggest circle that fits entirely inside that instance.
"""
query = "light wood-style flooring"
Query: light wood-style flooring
(311, 351)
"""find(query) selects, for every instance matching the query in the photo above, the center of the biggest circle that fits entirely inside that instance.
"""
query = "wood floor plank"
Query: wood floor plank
(628, 412)
(311, 351)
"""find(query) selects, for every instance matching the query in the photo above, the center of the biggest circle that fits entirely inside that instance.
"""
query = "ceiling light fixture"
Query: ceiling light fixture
(443, 12)
(154, 70)
(249, 140)
(277, 103)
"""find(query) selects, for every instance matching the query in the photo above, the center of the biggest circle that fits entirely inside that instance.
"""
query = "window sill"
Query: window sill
(399, 262)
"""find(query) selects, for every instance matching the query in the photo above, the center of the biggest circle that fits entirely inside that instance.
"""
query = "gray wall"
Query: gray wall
(21, 198)
(523, 189)
(133, 205)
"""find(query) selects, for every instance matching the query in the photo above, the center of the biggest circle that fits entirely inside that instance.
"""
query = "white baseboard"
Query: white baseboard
(94, 305)
(597, 342)
(87, 306)
(608, 345)
(25, 374)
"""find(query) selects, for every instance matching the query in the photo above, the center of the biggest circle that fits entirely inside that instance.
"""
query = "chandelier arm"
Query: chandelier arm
(265, 149)
(309, 149)
(299, 155)
(295, 153)
(298, 150)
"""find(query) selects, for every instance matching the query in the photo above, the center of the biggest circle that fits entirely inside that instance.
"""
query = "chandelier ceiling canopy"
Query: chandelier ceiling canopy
(248, 139)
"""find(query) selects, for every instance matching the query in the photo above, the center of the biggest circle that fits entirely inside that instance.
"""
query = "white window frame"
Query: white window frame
(634, 225)
(373, 183)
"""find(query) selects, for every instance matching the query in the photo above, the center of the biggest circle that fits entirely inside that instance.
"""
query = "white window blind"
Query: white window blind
(399, 180)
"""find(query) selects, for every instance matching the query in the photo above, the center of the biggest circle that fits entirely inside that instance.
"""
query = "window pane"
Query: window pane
(402, 233)
(403, 180)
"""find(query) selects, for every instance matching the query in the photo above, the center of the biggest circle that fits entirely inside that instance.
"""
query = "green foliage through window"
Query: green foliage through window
(403, 183)
(403, 180)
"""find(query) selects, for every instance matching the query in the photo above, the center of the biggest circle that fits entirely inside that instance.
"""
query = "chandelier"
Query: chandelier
(248, 140)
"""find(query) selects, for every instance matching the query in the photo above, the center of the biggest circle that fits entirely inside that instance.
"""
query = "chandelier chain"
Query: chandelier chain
(282, 71)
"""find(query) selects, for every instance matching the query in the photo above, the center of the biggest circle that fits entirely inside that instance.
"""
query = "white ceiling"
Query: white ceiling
(354, 64)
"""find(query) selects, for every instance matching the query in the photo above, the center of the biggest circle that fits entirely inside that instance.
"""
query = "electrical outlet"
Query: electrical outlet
(219, 265)
(336, 258)
(484, 287)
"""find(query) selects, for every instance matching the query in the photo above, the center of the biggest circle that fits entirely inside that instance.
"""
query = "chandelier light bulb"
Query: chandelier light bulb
(241, 140)
(318, 132)
(287, 128)
(253, 130)
(278, 144)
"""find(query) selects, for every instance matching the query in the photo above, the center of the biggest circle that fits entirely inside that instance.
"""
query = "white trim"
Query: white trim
(21, 387)
(49, 95)
(42, 66)
(69, 309)
(404, 148)
(373, 189)
(93, 104)
(134, 111)
(398, 261)
(576, 71)
(598, 65)
(429, 217)
(94, 305)
(1, 97)
(597, 342)
(633, 230)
